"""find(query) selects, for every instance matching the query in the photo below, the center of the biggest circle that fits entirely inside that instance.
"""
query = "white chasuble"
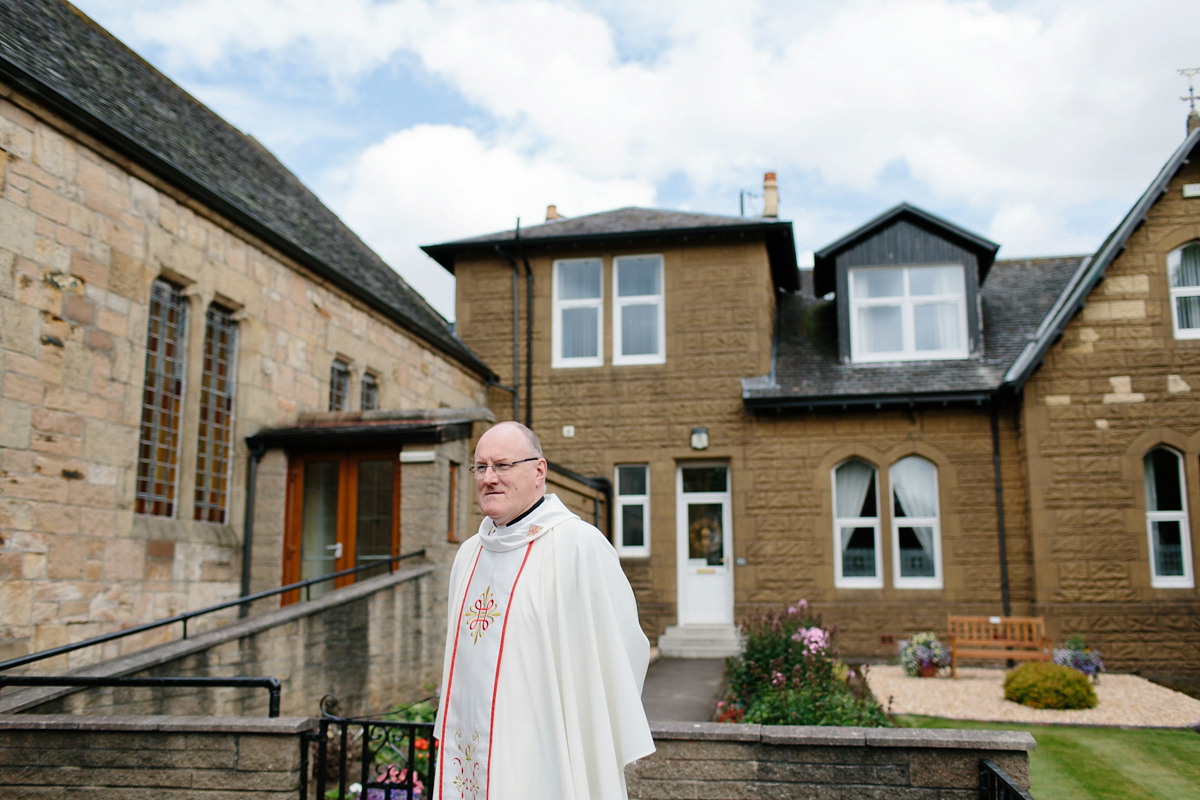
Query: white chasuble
(541, 685)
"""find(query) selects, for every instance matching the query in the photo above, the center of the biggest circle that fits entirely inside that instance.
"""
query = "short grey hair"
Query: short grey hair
(530, 437)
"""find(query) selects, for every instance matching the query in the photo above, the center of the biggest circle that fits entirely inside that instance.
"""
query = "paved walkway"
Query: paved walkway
(683, 689)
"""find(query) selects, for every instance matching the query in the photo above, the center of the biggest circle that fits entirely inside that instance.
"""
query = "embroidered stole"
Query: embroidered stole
(470, 692)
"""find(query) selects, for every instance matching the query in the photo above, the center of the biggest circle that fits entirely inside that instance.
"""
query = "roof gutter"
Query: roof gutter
(876, 401)
(1092, 270)
(119, 141)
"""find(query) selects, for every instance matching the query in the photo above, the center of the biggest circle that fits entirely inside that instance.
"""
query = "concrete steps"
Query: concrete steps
(700, 641)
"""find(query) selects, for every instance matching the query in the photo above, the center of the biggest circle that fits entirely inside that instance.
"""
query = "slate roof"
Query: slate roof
(53, 53)
(1016, 298)
(632, 226)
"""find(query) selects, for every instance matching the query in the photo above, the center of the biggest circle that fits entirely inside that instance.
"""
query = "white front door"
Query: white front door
(704, 549)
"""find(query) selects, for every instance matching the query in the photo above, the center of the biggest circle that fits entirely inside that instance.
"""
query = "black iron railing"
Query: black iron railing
(183, 618)
(270, 684)
(388, 759)
(994, 784)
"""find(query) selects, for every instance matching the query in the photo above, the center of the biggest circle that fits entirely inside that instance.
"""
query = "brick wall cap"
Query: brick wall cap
(282, 726)
(718, 731)
(950, 739)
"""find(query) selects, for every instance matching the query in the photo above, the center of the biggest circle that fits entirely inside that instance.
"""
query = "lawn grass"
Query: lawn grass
(1076, 763)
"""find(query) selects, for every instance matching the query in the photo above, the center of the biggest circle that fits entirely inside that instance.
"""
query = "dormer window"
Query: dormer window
(911, 312)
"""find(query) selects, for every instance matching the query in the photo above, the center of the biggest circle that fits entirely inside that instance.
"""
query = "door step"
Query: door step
(700, 641)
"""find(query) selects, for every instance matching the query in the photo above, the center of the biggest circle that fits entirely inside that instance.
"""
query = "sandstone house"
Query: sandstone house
(910, 429)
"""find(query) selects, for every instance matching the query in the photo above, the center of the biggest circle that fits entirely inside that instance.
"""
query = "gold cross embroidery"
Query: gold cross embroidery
(480, 615)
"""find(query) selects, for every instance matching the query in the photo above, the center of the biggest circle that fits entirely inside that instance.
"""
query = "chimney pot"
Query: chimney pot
(552, 212)
(770, 196)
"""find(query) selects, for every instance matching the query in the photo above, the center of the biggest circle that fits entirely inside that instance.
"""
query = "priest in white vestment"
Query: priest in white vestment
(542, 680)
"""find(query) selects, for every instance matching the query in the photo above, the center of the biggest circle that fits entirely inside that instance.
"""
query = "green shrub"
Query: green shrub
(788, 673)
(1043, 685)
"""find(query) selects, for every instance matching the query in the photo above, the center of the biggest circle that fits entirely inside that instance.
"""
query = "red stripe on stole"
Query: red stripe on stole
(487, 786)
(450, 679)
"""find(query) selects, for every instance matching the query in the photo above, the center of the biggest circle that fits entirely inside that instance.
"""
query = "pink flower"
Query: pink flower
(814, 639)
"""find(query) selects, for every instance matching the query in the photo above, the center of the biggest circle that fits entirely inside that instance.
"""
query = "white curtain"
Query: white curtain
(853, 481)
(936, 326)
(1151, 483)
(914, 481)
(1188, 271)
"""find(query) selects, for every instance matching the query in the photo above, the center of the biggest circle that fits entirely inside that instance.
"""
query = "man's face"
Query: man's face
(503, 497)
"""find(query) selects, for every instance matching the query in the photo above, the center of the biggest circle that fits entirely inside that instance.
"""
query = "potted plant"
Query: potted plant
(922, 655)
(1079, 656)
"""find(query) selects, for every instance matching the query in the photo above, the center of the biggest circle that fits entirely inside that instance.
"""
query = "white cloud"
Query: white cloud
(435, 183)
(1032, 113)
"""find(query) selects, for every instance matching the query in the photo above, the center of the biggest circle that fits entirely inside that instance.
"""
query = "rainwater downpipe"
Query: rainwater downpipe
(256, 453)
(528, 331)
(516, 383)
(1000, 533)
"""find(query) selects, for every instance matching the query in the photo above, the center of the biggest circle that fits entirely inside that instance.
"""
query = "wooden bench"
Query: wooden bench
(997, 638)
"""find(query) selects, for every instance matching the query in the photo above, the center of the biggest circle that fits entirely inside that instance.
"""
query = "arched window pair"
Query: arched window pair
(1167, 519)
(915, 525)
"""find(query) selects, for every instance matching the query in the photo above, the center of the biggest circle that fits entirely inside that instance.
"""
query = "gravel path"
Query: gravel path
(978, 694)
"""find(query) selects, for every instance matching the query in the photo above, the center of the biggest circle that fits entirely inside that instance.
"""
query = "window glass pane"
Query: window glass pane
(339, 385)
(705, 537)
(579, 334)
(216, 415)
(858, 552)
(632, 531)
(705, 479)
(1187, 312)
(639, 275)
(935, 280)
(162, 398)
(1187, 271)
(639, 330)
(579, 280)
(1168, 549)
(370, 393)
(880, 329)
(318, 554)
(914, 487)
(374, 518)
(631, 480)
(1162, 481)
(916, 553)
(935, 326)
(878, 283)
(855, 489)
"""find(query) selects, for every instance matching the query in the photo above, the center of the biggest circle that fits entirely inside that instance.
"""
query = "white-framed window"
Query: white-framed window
(908, 313)
(1183, 272)
(638, 318)
(916, 530)
(857, 546)
(633, 510)
(1167, 520)
(578, 325)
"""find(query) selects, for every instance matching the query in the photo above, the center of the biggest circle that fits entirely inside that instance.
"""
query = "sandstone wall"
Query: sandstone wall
(196, 758)
(1115, 386)
(83, 232)
(719, 327)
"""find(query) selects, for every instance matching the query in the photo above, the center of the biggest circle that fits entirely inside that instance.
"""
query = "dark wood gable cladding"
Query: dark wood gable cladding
(901, 236)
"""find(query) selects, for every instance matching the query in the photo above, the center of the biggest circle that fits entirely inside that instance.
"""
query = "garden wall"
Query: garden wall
(713, 760)
(373, 645)
(184, 758)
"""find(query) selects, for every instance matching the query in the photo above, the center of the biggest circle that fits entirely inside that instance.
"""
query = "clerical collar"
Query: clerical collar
(523, 514)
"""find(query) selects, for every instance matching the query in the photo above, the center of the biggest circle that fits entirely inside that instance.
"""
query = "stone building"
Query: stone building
(168, 291)
(910, 429)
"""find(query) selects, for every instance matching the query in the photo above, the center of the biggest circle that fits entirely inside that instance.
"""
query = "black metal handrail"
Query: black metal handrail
(994, 784)
(268, 683)
(185, 616)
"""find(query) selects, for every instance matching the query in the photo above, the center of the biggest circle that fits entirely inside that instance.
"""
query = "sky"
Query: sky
(1035, 123)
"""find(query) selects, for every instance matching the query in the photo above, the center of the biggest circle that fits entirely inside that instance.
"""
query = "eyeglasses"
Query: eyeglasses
(499, 467)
